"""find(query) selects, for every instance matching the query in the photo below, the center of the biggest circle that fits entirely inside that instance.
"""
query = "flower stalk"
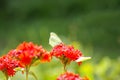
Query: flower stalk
(27, 72)
(6, 76)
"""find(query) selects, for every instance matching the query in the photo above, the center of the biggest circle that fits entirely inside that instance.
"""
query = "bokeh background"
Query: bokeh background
(93, 26)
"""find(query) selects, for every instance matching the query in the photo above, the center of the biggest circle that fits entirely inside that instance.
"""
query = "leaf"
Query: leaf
(82, 59)
(31, 73)
(36, 63)
(19, 69)
(54, 39)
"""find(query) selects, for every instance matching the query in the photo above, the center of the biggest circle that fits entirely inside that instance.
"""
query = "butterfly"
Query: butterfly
(55, 40)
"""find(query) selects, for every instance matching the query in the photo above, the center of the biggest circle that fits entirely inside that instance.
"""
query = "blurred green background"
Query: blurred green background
(93, 26)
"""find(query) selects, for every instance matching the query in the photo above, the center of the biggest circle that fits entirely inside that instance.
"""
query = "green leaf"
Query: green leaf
(36, 63)
(54, 39)
(19, 69)
(82, 59)
(33, 74)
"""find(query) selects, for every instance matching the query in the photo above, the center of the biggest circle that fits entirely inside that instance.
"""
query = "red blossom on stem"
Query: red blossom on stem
(28, 53)
(70, 76)
(66, 53)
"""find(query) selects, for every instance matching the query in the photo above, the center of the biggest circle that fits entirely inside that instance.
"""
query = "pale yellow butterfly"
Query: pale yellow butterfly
(54, 39)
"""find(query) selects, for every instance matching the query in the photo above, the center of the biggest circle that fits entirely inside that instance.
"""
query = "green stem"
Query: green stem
(27, 72)
(31, 73)
(7, 77)
(65, 70)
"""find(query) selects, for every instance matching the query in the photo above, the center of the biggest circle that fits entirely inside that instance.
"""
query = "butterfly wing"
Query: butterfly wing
(54, 39)
(83, 59)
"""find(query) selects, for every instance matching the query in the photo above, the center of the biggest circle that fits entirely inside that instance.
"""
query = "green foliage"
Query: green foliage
(54, 8)
(93, 23)
(106, 69)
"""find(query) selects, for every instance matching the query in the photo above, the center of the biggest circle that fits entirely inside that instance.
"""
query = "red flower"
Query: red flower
(63, 51)
(28, 53)
(70, 76)
(7, 65)
(25, 59)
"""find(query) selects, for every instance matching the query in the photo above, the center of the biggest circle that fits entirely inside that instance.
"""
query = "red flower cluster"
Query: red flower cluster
(7, 65)
(68, 52)
(28, 53)
(70, 76)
